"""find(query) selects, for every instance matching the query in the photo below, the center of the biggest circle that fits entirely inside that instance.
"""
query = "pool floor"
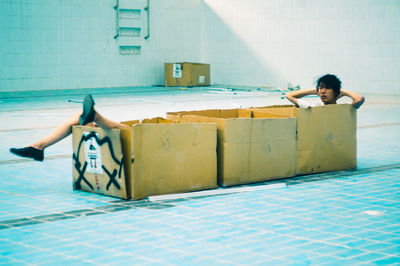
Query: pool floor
(340, 218)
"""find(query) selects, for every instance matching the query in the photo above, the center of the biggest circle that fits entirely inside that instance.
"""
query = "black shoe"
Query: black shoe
(88, 113)
(29, 152)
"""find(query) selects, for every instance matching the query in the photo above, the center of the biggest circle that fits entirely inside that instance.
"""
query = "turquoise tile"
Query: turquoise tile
(10, 261)
(387, 261)
(330, 249)
(312, 246)
(374, 246)
(327, 260)
(349, 253)
(391, 250)
(368, 257)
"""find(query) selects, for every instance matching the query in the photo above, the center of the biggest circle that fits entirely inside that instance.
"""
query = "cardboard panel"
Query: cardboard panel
(171, 158)
(258, 150)
(328, 134)
(98, 164)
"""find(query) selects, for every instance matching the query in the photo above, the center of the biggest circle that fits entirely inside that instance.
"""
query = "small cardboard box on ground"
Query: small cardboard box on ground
(249, 150)
(160, 157)
(187, 74)
(326, 136)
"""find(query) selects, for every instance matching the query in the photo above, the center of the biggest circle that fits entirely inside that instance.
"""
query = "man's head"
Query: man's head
(328, 88)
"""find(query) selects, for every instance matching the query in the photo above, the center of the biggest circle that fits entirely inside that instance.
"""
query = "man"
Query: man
(329, 91)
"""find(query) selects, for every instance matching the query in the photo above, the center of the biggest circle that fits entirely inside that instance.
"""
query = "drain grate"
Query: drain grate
(115, 206)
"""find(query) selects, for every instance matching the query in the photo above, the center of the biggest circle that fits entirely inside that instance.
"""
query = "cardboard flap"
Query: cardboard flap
(282, 110)
(130, 122)
(261, 113)
(215, 113)
(158, 120)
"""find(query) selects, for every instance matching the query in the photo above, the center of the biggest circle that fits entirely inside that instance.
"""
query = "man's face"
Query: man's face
(326, 95)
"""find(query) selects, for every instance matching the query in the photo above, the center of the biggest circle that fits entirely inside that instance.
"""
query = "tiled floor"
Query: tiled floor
(342, 218)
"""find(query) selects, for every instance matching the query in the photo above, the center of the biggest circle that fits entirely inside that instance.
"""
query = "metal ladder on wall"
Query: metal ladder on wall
(132, 25)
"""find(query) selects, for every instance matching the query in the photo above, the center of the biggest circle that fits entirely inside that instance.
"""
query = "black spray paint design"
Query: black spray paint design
(81, 172)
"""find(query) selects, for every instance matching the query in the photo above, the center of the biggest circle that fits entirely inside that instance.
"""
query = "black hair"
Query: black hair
(330, 81)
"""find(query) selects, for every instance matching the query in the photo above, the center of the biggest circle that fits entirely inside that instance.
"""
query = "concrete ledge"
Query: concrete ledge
(138, 89)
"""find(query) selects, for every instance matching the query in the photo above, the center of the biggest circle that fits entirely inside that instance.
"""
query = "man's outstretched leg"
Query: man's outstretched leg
(89, 114)
(36, 150)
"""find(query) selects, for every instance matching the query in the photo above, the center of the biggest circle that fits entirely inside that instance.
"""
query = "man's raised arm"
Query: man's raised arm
(293, 96)
(358, 100)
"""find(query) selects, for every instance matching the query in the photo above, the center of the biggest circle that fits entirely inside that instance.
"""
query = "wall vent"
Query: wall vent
(127, 50)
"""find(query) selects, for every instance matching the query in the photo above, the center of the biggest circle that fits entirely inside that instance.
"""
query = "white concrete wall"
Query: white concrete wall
(258, 42)
(56, 44)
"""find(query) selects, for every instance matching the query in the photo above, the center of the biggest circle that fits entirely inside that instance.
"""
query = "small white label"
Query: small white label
(202, 79)
(177, 71)
(93, 155)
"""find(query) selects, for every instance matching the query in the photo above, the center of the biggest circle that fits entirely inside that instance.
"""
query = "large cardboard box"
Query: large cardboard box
(249, 150)
(159, 157)
(326, 136)
(187, 74)
(170, 157)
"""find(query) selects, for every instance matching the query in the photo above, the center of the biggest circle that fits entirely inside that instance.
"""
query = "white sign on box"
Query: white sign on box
(93, 155)
(202, 79)
(177, 71)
